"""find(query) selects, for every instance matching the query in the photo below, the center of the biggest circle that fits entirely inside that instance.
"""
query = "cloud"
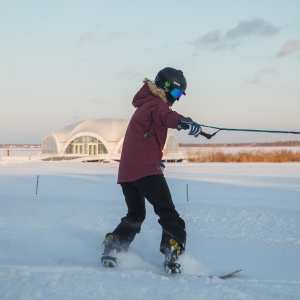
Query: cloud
(128, 73)
(91, 36)
(114, 34)
(232, 38)
(80, 62)
(289, 48)
(268, 71)
(88, 36)
(210, 40)
(256, 78)
(252, 28)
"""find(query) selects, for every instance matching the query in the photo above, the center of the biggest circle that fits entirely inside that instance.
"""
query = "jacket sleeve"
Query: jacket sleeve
(164, 116)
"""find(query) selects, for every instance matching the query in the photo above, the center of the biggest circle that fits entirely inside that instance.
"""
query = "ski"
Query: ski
(229, 275)
(108, 261)
(171, 270)
(222, 276)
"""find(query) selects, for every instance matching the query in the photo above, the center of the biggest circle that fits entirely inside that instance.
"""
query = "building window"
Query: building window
(86, 145)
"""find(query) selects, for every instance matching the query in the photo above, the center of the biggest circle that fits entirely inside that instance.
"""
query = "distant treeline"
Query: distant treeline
(275, 156)
(20, 145)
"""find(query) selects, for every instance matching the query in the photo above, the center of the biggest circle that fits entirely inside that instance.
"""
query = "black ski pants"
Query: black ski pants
(155, 189)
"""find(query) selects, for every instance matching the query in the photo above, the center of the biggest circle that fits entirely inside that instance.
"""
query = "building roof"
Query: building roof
(111, 130)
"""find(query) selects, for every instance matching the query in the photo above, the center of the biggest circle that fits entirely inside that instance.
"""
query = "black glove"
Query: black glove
(184, 123)
(195, 130)
(188, 123)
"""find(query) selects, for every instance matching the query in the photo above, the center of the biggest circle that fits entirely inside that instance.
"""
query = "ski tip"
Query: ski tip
(230, 275)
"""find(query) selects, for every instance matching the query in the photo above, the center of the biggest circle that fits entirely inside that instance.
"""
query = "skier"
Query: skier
(141, 170)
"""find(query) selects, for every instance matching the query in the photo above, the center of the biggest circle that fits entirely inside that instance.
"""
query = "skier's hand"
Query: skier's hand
(184, 123)
(195, 129)
(187, 123)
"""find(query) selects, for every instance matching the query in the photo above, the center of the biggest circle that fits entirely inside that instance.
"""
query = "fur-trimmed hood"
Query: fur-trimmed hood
(155, 90)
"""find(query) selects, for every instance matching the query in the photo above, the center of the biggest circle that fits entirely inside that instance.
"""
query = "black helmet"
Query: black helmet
(171, 78)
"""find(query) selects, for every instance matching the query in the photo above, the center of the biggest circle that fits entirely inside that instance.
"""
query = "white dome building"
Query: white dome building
(97, 140)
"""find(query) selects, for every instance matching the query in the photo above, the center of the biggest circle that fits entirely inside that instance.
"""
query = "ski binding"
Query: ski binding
(108, 261)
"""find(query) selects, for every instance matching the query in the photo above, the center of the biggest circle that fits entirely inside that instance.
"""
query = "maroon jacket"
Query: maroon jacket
(146, 134)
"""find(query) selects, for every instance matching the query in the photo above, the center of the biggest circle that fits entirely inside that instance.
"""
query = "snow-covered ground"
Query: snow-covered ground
(237, 215)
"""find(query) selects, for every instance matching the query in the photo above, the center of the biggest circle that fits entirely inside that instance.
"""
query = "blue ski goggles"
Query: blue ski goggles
(176, 93)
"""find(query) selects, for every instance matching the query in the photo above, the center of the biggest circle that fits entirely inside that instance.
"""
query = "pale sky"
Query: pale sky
(63, 61)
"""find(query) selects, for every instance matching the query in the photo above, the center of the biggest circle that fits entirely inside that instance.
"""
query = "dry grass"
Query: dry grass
(276, 156)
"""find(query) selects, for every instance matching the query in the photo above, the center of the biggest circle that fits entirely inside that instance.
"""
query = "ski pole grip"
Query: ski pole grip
(208, 136)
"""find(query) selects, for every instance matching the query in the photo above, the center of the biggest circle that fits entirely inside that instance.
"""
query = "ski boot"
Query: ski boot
(111, 248)
(172, 250)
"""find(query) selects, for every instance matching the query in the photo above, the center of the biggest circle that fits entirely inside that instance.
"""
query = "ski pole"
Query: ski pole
(187, 193)
(37, 184)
